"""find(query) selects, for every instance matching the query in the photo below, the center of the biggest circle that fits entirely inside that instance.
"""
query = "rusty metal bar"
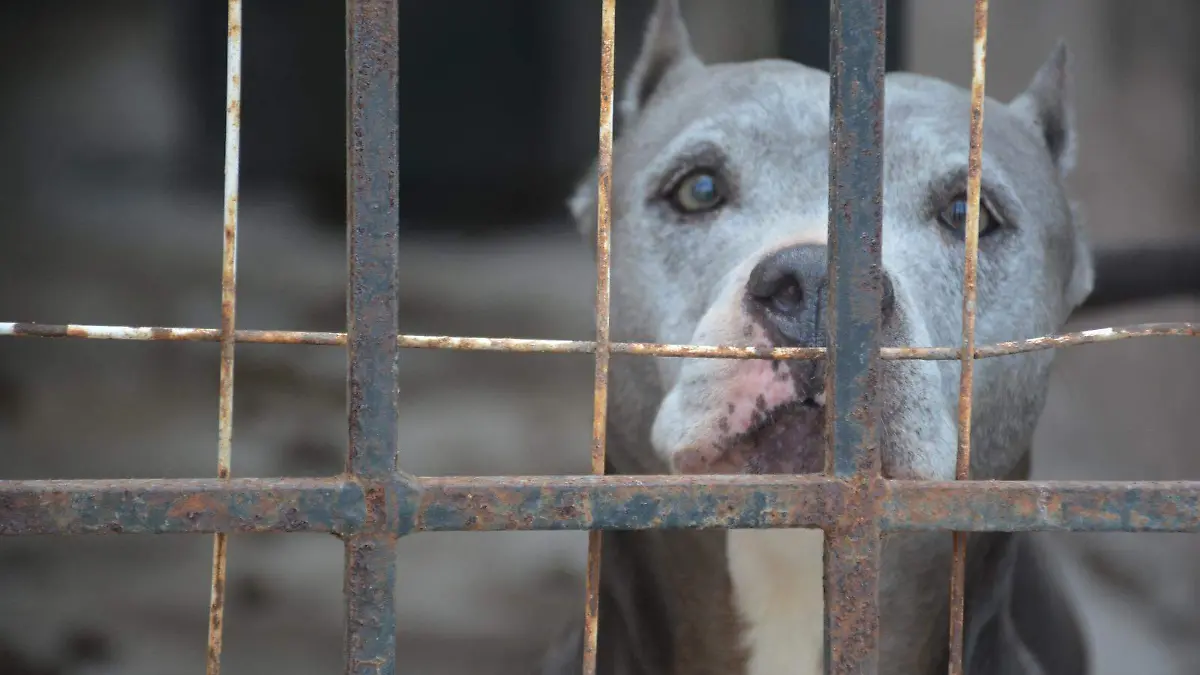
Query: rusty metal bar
(962, 470)
(233, 125)
(857, 36)
(1041, 506)
(855, 231)
(372, 332)
(623, 502)
(339, 505)
(203, 506)
(608, 29)
(531, 346)
(691, 502)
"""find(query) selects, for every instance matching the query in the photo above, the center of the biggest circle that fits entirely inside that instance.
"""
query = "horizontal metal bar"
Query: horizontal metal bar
(1018, 506)
(186, 506)
(523, 345)
(337, 505)
(654, 502)
(622, 502)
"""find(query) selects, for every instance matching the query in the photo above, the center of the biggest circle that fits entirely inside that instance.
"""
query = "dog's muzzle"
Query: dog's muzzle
(763, 417)
(788, 293)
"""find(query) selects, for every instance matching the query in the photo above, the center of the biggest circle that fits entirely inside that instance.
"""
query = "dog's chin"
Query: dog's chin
(789, 439)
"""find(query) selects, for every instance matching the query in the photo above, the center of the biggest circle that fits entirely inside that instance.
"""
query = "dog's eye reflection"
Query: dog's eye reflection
(697, 192)
(954, 217)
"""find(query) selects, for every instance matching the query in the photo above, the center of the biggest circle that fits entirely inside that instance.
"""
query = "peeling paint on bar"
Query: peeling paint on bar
(603, 344)
(337, 505)
(233, 136)
(1012, 506)
(623, 502)
(373, 249)
(857, 36)
(962, 471)
(533, 346)
(206, 506)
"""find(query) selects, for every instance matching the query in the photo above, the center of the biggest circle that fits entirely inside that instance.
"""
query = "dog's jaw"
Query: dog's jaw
(735, 416)
(785, 439)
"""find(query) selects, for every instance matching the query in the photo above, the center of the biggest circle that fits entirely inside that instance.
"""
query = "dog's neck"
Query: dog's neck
(779, 596)
(778, 588)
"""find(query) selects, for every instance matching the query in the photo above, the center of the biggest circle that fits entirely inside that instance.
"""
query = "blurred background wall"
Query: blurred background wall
(110, 211)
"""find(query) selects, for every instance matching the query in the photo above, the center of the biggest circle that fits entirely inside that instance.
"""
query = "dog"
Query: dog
(719, 230)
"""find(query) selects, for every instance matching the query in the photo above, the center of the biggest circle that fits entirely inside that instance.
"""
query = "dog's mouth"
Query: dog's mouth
(788, 439)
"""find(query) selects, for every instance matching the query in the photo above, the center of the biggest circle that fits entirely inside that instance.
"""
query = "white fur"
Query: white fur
(777, 583)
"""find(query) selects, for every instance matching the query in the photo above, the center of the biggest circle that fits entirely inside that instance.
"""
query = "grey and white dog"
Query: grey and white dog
(720, 203)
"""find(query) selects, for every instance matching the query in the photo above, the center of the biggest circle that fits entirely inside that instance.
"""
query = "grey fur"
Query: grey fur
(666, 604)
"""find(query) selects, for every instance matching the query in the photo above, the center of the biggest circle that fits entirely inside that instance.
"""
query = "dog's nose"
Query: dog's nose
(790, 287)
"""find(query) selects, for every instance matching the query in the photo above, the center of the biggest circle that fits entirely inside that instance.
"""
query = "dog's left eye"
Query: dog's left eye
(954, 217)
(697, 192)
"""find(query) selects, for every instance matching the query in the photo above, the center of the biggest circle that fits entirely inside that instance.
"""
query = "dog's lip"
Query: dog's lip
(769, 420)
(782, 440)
(751, 452)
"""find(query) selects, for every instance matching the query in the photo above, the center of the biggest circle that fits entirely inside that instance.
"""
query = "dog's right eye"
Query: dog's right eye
(954, 217)
(697, 192)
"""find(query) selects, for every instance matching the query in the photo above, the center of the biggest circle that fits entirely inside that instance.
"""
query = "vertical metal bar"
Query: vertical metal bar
(855, 231)
(805, 25)
(966, 382)
(372, 331)
(857, 48)
(603, 342)
(233, 128)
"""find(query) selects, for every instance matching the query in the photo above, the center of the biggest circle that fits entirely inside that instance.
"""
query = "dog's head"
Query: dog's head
(720, 210)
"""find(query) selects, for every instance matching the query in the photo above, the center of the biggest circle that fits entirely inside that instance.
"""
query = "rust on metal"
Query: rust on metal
(527, 346)
(233, 123)
(857, 35)
(1035, 506)
(690, 502)
(372, 336)
(608, 24)
(624, 502)
(962, 470)
(718, 352)
(484, 344)
(339, 505)
(191, 506)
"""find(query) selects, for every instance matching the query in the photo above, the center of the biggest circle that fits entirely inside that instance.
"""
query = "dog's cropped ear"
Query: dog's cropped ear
(666, 55)
(1048, 103)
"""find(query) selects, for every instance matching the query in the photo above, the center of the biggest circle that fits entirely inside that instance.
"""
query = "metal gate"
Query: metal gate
(373, 503)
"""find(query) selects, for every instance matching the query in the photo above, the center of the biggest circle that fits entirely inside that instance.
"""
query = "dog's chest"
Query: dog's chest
(778, 593)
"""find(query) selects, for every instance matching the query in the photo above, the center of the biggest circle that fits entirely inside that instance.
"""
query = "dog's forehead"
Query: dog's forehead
(934, 116)
(764, 100)
(776, 102)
